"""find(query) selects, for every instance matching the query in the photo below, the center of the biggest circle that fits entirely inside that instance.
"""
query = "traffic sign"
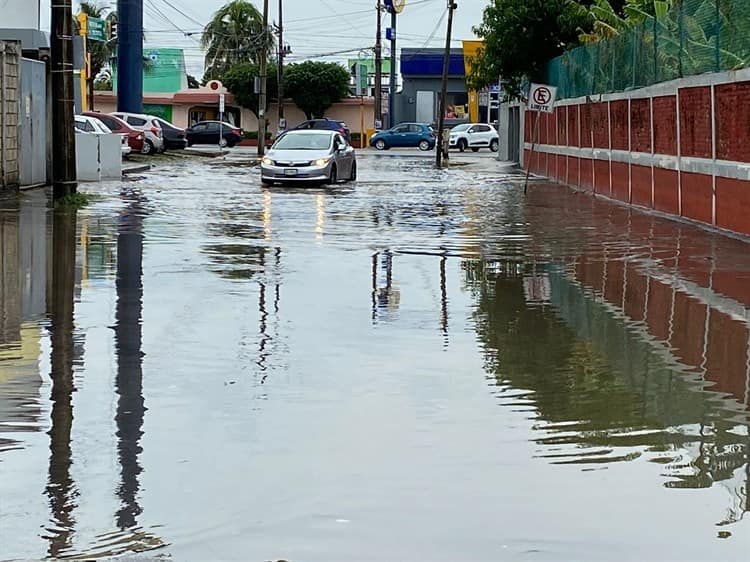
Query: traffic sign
(96, 29)
(542, 98)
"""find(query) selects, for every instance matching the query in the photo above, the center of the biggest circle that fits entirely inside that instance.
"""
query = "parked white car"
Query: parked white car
(92, 126)
(154, 137)
(474, 136)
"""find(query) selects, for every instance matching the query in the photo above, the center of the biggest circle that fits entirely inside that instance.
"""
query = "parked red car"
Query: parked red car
(119, 127)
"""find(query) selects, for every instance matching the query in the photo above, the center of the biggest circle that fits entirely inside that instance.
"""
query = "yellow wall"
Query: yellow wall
(471, 49)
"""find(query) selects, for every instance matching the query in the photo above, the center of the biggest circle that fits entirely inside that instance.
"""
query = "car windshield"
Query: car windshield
(460, 128)
(307, 141)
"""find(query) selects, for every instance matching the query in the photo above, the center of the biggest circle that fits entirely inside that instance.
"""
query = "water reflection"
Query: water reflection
(24, 239)
(600, 389)
(632, 345)
(129, 380)
(61, 488)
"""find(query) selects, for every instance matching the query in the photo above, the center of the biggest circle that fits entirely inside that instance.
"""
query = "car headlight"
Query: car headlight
(322, 161)
(268, 162)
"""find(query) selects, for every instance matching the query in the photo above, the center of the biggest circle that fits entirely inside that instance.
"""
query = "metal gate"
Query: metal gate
(425, 107)
(514, 134)
(32, 124)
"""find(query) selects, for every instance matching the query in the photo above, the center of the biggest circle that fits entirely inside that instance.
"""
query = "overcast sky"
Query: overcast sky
(312, 27)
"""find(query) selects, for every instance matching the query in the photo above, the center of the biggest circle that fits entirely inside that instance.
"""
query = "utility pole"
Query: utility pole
(129, 56)
(282, 52)
(392, 93)
(63, 124)
(379, 67)
(263, 89)
(444, 86)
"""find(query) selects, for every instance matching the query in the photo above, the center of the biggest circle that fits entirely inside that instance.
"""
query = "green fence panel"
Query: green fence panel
(694, 37)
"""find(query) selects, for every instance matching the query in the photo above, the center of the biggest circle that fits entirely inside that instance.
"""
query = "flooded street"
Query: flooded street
(422, 366)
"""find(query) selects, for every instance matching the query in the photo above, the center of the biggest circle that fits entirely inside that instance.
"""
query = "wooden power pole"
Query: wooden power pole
(263, 100)
(378, 116)
(63, 124)
(444, 86)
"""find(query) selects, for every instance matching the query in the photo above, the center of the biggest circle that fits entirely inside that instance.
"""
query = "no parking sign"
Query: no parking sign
(542, 98)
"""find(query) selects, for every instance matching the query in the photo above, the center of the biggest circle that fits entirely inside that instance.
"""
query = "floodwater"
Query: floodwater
(419, 366)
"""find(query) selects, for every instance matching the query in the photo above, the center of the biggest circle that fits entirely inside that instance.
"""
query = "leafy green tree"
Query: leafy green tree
(316, 86)
(240, 81)
(234, 35)
(520, 36)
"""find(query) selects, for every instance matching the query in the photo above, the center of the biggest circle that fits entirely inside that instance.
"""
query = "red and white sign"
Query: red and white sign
(542, 98)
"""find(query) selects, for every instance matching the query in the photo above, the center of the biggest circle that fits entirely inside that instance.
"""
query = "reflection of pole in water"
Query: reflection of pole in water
(267, 216)
(129, 381)
(384, 296)
(444, 300)
(320, 216)
(374, 295)
(60, 487)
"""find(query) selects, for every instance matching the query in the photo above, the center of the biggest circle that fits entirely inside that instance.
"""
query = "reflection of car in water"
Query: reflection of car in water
(309, 156)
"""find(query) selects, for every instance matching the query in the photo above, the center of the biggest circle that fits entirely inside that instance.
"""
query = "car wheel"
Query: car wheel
(424, 146)
(148, 148)
(462, 145)
(353, 175)
(380, 144)
(333, 178)
(494, 145)
(475, 149)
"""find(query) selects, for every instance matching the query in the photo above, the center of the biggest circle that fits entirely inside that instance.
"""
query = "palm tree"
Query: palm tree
(235, 34)
(101, 52)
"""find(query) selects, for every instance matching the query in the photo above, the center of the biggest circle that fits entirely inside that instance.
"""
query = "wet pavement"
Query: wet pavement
(419, 366)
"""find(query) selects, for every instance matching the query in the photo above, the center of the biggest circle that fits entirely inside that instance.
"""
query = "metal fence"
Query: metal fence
(694, 37)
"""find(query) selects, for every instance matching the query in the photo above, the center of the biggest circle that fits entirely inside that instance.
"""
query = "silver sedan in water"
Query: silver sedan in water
(309, 156)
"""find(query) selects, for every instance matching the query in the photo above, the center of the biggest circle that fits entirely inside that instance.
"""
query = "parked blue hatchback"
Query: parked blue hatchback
(412, 135)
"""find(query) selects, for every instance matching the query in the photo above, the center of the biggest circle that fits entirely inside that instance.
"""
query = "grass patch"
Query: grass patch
(75, 200)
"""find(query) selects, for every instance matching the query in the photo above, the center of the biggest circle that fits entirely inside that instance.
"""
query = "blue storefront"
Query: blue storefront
(421, 74)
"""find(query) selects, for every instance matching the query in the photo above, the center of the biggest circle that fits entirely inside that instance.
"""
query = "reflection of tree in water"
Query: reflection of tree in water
(595, 384)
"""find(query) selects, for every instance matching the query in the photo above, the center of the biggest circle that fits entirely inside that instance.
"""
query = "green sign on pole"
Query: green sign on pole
(96, 30)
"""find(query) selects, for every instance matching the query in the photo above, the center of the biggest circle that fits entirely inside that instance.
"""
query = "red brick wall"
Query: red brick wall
(620, 182)
(640, 119)
(665, 125)
(733, 121)
(620, 124)
(650, 126)
(574, 133)
(641, 181)
(600, 124)
(695, 122)
(697, 197)
(733, 205)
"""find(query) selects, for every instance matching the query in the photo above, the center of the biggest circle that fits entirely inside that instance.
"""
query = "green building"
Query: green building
(163, 71)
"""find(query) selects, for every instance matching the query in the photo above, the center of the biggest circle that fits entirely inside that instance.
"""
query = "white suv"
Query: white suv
(154, 137)
(474, 136)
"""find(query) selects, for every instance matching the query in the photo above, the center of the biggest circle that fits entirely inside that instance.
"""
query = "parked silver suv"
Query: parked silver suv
(154, 137)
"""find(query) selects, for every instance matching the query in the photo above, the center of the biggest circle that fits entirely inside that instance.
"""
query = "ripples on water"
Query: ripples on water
(620, 339)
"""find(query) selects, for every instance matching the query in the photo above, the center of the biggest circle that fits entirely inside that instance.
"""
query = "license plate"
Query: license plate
(290, 172)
